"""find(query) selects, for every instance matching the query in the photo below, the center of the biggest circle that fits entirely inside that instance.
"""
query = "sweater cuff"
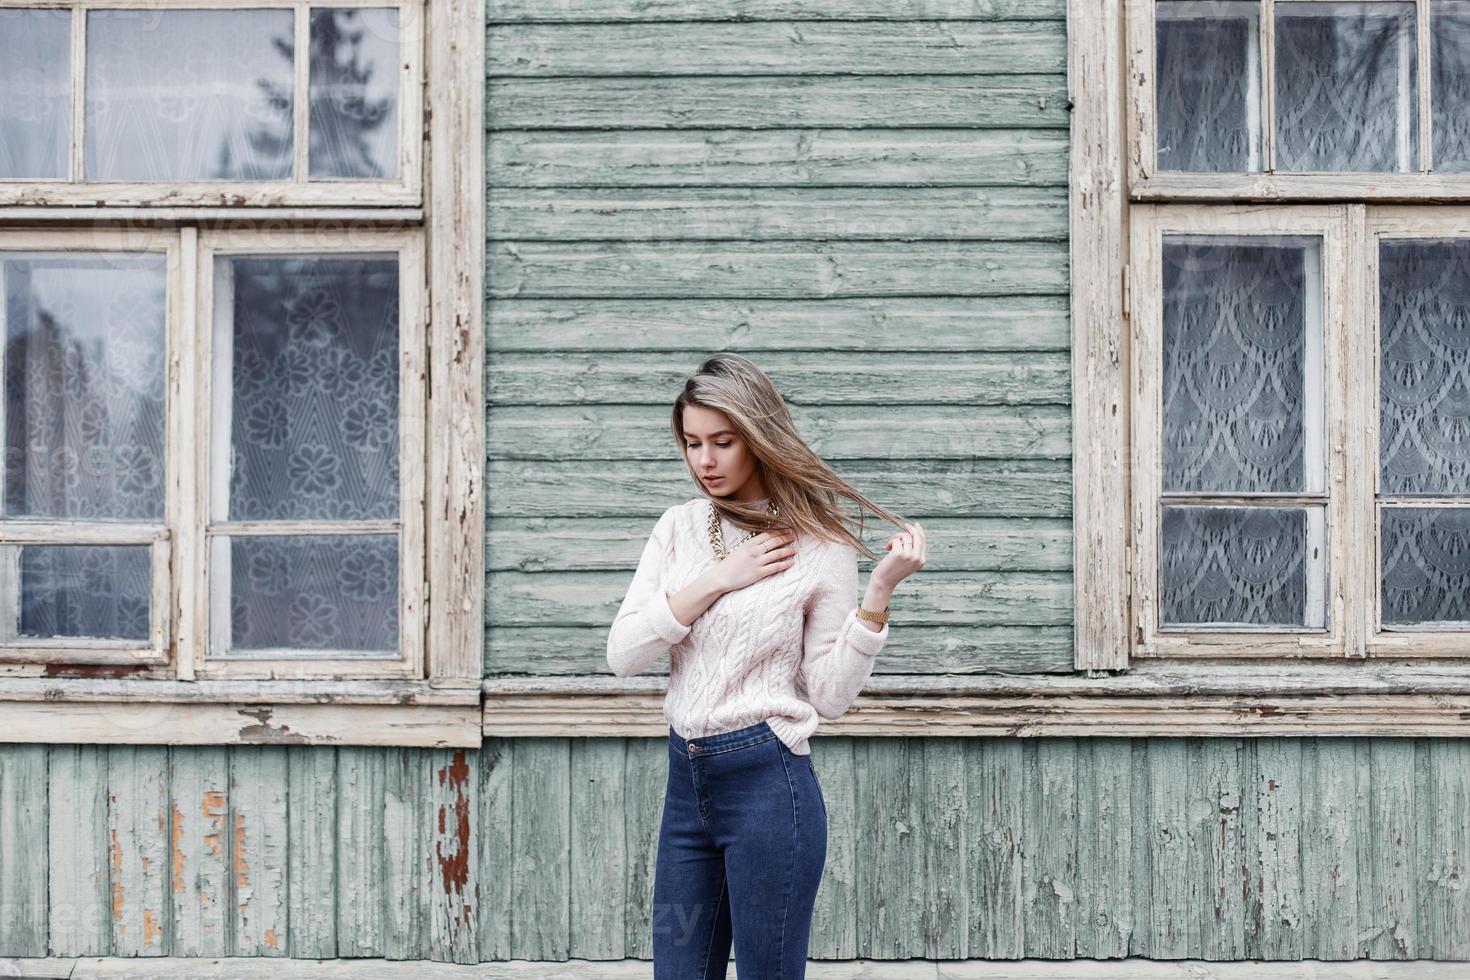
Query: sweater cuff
(864, 640)
(661, 618)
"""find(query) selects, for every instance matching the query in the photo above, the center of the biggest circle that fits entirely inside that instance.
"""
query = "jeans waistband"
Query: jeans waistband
(723, 741)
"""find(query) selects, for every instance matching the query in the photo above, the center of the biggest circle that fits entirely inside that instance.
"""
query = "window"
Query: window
(127, 103)
(238, 287)
(1279, 345)
(1320, 99)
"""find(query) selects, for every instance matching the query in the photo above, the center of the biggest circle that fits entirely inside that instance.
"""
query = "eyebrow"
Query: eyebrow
(722, 432)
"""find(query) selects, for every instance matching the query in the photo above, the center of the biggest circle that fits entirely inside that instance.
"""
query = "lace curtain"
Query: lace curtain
(1235, 362)
(84, 431)
(207, 94)
(313, 435)
(1424, 427)
(1345, 78)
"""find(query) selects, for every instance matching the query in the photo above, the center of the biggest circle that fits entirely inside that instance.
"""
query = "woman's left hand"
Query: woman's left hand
(906, 553)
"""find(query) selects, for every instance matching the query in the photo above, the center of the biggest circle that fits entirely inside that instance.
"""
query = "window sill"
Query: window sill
(126, 711)
(1304, 699)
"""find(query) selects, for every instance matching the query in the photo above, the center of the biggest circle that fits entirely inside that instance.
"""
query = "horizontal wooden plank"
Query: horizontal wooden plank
(922, 488)
(613, 543)
(1178, 680)
(963, 101)
(865, 326)
(947, 598)
(872, 715)
(571, 11)
(832, 378)
(927, 650)
(1022, 157)
(841, 432)
(779, 214)
(150, 723)
(805, 47)
(316, 691)
(792, 270)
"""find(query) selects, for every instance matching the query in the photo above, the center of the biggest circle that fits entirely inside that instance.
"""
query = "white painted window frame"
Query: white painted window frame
(407, 188)
(203, 620)
(1380, 223)
(1147, 183)
(181, 701)
(159, 536)
(1333, 389)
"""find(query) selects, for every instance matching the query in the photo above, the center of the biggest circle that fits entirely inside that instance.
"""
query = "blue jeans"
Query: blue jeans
(740, 849)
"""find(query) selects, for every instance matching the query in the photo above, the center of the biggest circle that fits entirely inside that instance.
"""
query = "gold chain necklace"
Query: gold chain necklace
(717, 539)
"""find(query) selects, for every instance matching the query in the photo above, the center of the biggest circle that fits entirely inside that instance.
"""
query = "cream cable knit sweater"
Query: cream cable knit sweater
(786, 650)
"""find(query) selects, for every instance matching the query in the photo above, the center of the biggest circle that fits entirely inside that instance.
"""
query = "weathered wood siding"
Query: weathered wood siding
(869, 200)
(1220, 849)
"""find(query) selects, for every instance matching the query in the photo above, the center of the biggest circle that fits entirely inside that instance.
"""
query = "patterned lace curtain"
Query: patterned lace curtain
(1424, 428)
(313, 436)
(1238, 347)
(84, 431)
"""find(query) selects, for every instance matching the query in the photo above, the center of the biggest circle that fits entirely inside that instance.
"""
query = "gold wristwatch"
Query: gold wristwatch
(872, 617)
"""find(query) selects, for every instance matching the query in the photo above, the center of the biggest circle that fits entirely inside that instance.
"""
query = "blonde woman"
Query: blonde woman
(751, 588)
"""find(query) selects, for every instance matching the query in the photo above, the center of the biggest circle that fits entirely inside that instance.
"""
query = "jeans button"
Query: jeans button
(692, 747)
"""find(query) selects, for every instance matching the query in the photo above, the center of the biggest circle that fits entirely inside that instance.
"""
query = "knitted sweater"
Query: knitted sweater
(786, 649)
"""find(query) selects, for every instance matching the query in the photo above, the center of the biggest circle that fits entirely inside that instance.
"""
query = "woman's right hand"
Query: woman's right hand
(765, 554)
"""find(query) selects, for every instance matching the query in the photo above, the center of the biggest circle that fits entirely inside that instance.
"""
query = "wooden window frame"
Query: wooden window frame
(184, 701)
(407, 189)
(159, 536)
(199, 629)
(1336, 393)
(1147, 183)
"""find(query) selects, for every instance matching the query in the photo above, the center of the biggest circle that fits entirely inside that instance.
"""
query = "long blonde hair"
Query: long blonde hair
(804, 489)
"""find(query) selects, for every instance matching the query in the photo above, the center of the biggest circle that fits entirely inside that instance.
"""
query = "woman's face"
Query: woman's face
(715, 450)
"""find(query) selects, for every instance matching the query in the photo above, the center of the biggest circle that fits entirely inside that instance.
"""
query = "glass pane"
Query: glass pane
(1242, 336)
(35, 104)
(1345, 87)
(313, 424)
(1425, 565)
(84, 368)
(68, 590)
(1208, 85)
(1242, 566)
(354, 92)
(189, 94)
(336, 592)
(1424, 367)
(1449, 66)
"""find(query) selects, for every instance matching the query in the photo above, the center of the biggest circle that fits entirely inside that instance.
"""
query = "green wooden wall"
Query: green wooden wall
(1222, 849)
(869, 200)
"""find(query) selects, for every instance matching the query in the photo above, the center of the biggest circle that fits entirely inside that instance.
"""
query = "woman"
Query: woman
(764, 637)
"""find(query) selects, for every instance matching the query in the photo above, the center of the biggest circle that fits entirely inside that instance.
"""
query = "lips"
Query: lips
(715, 479)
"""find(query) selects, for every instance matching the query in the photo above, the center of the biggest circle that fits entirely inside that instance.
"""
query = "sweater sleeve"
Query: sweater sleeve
(644, 626)
(837, 649)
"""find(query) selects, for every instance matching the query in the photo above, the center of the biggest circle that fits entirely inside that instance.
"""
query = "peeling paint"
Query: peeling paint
(176, 853)
(455, 868)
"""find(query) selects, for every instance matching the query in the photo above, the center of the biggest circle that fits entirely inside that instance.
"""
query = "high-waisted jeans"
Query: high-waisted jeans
(740, 851)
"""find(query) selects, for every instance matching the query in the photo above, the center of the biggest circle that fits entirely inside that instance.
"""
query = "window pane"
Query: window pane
(1242, 336)
(189, 94)
(35, 78)
(1242, 566)
(354, 92)
(99, 591)
(1345, 87)
(1424, 367)
(1209, 92)
(84, 364)
(325, 592)
(1426, 565)
(313, 383)
(1449, 65)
